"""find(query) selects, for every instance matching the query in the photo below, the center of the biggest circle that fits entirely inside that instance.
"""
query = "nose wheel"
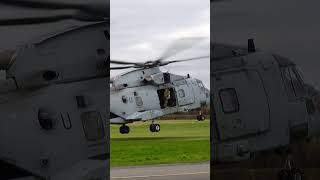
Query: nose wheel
(154, 127)
(289, 172)
(201, 118)
(124, 129)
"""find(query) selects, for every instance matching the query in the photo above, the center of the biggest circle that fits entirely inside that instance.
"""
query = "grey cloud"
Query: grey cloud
(142, 29)
(288, 27)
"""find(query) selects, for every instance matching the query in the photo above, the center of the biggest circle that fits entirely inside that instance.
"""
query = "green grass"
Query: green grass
(179, 141)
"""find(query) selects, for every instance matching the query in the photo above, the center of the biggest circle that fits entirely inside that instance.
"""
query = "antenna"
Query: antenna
(251, 46)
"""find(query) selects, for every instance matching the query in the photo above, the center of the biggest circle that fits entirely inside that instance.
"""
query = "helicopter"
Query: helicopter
(260, 106)
(147, 93)
(54, 100)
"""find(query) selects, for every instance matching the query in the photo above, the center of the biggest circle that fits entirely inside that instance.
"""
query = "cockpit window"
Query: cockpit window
(298, 84)
(200, 84)
(293, 82)
(286, 74)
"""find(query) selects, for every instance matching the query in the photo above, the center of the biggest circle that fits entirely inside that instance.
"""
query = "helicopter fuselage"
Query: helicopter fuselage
(260, 103)
(144, 98)
(54, 106)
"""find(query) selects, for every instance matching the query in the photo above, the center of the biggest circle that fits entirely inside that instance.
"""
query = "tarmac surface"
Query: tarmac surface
(199, 171)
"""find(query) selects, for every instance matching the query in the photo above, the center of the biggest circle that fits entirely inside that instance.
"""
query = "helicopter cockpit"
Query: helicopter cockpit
(292, 78)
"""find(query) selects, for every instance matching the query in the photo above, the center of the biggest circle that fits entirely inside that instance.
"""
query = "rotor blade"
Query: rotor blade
(178, 46)
(120, 62)
(39, 4)
(218, 1)
(51, 16)
(125, 62)
(123, 67)
(32, 20)
(98, 8)
(183, 60)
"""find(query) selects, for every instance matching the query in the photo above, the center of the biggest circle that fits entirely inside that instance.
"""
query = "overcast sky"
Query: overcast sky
(287, 27)
(142, 29)
(13, 36)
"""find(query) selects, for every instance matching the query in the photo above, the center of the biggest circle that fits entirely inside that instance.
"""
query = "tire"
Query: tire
(127, 129)
(201, 118)
(284, 174)
(152, 128)
(157, 127)
(122, 130)
(296, 174)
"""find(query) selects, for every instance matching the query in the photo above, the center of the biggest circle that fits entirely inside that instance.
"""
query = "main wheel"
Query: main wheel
(157, 127)
(201, 118)
(127, 129)
(284, 174)
(121, 129)
(152, 128)
(124, 129)
(296, 174)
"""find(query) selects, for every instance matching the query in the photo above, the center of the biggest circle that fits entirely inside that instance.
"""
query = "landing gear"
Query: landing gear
(124, 129)
(201, 117)
(154, 127)
(290, 173)
(293, 174)
(296, 174)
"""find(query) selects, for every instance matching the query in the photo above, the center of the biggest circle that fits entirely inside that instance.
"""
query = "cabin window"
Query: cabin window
(293, 82)
(180, 82)
(139, 101)
(124, 99)
(181, 93)
(92, 125)
(229, 100)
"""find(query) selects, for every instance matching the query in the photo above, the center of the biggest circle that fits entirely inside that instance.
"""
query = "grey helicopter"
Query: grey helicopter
(54, 93)
(263, 111)
(147, 93)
